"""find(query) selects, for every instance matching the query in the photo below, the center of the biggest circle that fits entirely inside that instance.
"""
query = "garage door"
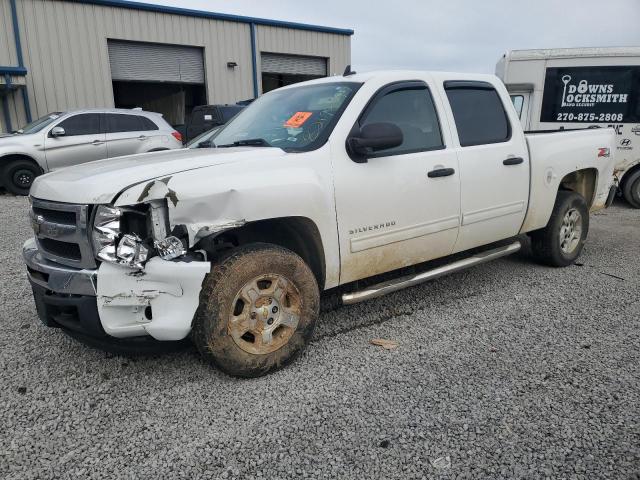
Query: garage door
(294, 64)
(136, 61)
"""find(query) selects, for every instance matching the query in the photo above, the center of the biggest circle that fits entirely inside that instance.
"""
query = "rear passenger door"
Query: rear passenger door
(494, 163)
(83, 141)
(126, 135)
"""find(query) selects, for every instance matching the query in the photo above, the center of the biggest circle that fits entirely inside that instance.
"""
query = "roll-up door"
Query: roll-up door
(293, 64)
(137, 61)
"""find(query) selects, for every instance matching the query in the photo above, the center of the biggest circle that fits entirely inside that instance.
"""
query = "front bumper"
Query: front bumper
(64, 296)
(114, 302)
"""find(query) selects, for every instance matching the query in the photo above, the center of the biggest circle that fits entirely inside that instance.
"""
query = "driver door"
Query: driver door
(391, 212)
(83, 141)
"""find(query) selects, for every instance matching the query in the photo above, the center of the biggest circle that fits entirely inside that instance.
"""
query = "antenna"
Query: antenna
(347, 71)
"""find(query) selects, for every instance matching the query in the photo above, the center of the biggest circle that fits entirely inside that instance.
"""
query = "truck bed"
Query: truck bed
(555, 155)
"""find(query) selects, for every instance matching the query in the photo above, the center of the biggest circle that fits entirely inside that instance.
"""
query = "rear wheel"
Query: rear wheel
(18, 176)
(631, 189)
(258, 309)
(560, 243)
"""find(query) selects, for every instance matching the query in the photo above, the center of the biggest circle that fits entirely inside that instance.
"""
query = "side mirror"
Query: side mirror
(205, 144)
(372, 138)
(57, 132)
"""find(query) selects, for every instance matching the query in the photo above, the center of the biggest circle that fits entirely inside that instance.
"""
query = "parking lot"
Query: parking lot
(507, 370)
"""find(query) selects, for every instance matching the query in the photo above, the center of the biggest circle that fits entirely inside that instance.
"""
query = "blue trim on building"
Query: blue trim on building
(20, 71)
(5, 104)
(27, 105)
(215, 16)
(254, 60)
(16, 32)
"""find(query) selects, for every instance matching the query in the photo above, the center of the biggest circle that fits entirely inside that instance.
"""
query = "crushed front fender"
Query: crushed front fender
(159, 301)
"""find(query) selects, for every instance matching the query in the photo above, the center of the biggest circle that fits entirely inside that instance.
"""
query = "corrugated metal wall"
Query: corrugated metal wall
(8, 57)
(65, 50)
(16, 111)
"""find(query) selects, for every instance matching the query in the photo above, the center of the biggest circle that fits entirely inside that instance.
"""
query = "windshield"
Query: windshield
(294, 119)
(41, 123)
(202, 140)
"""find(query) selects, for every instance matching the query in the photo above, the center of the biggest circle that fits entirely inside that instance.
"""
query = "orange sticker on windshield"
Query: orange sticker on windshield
(298, 119)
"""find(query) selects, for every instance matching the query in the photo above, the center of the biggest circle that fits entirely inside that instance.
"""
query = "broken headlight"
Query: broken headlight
(129, 235)
(111, 244)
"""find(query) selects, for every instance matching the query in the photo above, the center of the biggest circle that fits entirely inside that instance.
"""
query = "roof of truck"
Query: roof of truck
(396, 75)
(545, 53)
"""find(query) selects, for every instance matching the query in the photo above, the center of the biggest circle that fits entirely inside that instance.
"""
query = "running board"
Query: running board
(383, 288)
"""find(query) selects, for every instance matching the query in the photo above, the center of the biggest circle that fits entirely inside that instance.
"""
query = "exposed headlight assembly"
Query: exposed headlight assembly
(129, 235)
(109, 242)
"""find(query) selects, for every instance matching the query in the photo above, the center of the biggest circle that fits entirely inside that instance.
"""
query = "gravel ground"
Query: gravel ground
(507, 370)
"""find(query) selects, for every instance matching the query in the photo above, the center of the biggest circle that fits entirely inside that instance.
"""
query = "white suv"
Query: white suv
(61, 139)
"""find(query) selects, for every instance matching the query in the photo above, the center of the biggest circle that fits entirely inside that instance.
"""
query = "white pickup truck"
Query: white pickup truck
(311, 187)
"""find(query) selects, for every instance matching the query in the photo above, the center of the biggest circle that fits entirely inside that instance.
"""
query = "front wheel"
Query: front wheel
(258, 308)
(560, 243)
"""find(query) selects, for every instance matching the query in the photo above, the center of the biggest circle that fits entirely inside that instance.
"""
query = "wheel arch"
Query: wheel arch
(582, 181)
(298, 234)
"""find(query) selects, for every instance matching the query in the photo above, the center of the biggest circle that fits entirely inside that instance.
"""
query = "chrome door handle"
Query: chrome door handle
(142, 137)
(97, 142)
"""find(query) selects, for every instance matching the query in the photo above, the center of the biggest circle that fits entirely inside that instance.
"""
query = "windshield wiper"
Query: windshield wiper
(249, 142)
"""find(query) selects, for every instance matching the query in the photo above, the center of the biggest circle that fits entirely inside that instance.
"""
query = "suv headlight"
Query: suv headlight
(111, 244)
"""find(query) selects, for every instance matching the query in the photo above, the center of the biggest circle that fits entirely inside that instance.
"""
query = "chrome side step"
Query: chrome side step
(383, 288)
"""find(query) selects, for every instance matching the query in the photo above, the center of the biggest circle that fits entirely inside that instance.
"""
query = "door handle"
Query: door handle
(441, 172)
(513, 161)
(97, 142)
(142, 137)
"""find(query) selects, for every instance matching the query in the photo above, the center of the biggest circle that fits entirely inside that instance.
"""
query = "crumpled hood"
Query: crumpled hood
(100, 181)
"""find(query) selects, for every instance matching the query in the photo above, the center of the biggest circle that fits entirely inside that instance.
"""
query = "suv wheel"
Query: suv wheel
(18, 176)
(258, 309)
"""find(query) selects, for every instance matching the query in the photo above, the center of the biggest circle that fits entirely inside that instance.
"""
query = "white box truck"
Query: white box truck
(568, 88)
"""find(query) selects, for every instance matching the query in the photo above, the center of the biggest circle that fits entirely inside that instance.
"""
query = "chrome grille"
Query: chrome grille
(62, 232)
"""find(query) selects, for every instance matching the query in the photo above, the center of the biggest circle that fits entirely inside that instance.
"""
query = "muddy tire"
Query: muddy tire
(18, 176)
(631, 189)
(560, 243)
(258, 308)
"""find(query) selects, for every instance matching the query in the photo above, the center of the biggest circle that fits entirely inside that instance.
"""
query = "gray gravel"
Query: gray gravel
(508, 370)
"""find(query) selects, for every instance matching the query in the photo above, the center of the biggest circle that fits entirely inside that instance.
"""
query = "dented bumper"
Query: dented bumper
(115, 301)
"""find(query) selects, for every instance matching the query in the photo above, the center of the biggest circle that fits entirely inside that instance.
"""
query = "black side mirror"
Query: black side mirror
(205, 144)
(371, 138)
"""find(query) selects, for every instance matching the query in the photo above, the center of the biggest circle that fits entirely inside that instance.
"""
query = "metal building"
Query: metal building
(57, 55)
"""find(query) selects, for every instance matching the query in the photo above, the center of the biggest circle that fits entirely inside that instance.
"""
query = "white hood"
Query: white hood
(101, 181)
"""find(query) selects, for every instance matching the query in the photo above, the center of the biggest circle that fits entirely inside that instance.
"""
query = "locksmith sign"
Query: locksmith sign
(591, 94)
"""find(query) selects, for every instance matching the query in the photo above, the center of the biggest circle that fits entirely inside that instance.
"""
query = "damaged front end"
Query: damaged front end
(150, 277)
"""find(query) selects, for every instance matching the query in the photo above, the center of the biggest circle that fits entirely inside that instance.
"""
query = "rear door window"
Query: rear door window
(478, 112)
(82, 124)
(118, 122)
(148, 124)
